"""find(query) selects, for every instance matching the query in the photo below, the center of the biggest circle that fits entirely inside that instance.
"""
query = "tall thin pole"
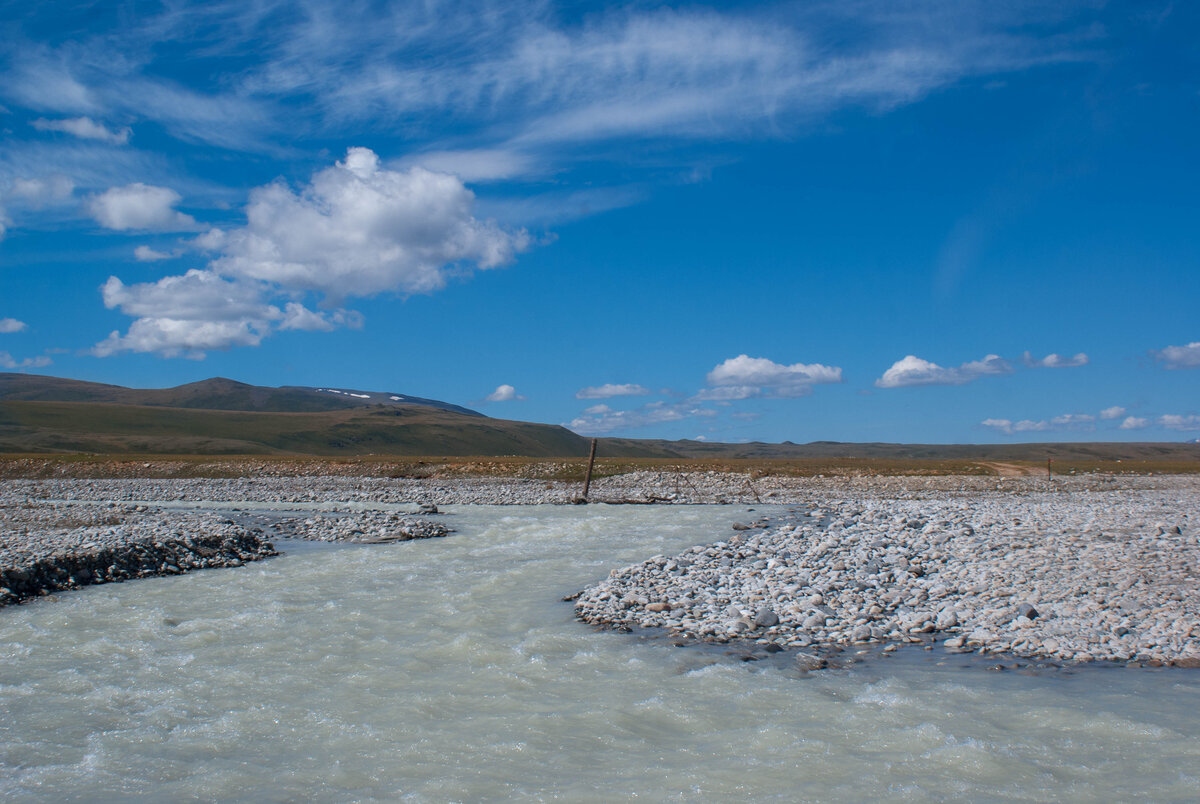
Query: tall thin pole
(1049, 472)
(587, 479)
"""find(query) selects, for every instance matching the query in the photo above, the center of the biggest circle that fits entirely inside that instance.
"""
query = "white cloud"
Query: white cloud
(1180, 357)
(743, 377)
(729, 393)
(147, 254)
(1053, 360)
(1135, 423)
(1023, 426)
(598, 421)
(45, 191)
(297, 316)
(84, 128)
(7, 361)
(1115, 412)
(477, 165)
(503, 393)
(9, 325)
(609, 390)
(1073, 420)
(139, 206)
(1067, 421)
(359, 229)
(187, 315)
(912, 370)
(1173, 421)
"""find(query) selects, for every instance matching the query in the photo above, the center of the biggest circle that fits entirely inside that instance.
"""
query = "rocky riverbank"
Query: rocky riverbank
(1070, 575)
(349, 493)
(38, 561)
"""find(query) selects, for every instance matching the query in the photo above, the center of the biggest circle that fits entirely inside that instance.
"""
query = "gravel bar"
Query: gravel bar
(1069, 572)
(36, 561)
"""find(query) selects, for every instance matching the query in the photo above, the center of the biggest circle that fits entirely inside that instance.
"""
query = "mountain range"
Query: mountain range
(220, 416)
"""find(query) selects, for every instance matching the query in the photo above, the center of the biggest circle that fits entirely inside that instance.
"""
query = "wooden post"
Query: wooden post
(587, 479)
(1049, 471)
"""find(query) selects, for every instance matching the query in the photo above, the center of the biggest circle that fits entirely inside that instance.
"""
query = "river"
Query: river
(450, 669)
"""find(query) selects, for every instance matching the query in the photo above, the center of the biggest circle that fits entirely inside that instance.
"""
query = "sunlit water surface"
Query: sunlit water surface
(450, 669)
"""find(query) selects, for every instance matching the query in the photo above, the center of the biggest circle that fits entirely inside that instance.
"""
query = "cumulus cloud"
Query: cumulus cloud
(1053, 360)
(1180, 357)
(199, 311)
(1115, 412)
(7, 361)
(744, 377)
(599, 421)
(358, 229)
(609, 390)
(84, 128)
(1135, 423)
(8, 325)
(139, 206)
(503, 393)
(912, 370)
(1173, 421)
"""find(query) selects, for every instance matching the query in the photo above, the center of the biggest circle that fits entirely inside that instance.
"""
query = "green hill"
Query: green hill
(224, 417)
(402, 430)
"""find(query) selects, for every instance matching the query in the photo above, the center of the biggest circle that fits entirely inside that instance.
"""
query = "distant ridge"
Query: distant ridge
(220, 416)
(217, 393)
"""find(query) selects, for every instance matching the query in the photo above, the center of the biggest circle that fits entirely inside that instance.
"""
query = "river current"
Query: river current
(450, 670)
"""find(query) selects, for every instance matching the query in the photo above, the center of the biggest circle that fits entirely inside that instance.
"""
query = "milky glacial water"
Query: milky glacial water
(449, 669)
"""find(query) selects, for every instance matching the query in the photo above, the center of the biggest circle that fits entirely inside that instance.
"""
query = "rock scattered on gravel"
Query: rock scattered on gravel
(1032, 572)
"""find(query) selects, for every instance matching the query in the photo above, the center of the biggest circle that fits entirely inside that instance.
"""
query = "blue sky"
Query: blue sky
(854, 221)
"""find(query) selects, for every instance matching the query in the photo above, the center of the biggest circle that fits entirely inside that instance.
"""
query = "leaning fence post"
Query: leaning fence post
(587, 478)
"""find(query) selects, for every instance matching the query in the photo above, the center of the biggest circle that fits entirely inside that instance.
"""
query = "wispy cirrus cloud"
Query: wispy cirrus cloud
(85, 128)
(694, 73)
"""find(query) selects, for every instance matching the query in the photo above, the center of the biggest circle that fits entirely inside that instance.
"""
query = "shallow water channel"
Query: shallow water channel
(449, 669)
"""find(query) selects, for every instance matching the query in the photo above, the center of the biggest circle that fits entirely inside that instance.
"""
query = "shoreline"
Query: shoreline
(1082, 569)
(36, 563)
(1039, 575)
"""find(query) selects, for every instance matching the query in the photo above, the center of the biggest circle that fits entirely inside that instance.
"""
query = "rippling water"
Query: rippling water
(450, 670)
